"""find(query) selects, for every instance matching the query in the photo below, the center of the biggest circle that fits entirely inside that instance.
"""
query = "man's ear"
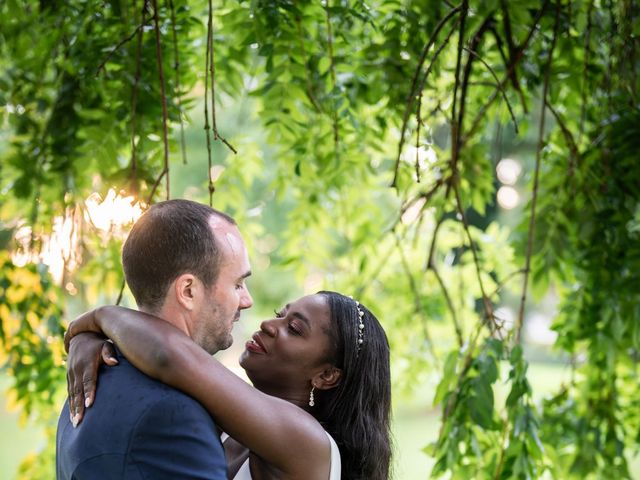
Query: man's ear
(328, 378)
(186, 288)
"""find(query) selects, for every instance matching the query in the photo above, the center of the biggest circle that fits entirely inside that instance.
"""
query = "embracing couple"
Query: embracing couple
(164, 408)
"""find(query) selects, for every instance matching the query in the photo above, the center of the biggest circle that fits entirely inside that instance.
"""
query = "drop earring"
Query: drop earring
(311, 399)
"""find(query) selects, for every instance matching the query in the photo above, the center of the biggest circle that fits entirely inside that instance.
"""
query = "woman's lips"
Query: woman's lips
(255, 344)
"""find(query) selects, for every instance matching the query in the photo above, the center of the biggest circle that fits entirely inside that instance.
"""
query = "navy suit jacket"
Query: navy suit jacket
(139, 428)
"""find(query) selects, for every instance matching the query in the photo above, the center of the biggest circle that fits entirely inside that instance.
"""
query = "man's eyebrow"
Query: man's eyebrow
(245, 275)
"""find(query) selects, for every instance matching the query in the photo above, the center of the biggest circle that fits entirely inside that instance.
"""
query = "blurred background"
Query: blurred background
(469, 172)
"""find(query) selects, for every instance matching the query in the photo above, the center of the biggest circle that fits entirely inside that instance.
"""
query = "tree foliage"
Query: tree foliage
(385, 121)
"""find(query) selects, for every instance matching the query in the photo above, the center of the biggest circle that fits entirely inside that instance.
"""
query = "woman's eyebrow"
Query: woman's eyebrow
(302, 317)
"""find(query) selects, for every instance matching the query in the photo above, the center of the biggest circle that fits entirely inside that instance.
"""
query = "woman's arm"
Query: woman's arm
(268, 426)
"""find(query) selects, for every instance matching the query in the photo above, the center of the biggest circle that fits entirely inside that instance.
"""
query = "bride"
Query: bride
(320, 368)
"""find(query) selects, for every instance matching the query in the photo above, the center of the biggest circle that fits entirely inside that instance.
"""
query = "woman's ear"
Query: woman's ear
(329, 378)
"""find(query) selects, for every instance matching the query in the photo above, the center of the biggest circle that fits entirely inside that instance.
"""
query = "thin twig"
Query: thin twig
(165, 116)
(568, 137)
(332, 70)
(418, 121)
(176, 67)
(310, 94)
(134, 102)
(488, 307)
(156, 184)
(504, 93)
(480, 116)
(505, 60)
(506, 22)
(505, 280)
(119, 299)
(585, 69)
(532, 219)
(452, 309)
(207, 127)
(120, 44)
(416, 298)
(412, 91)
(212, 68)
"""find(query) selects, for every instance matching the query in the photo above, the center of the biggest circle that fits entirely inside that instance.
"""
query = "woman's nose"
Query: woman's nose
(268, 327)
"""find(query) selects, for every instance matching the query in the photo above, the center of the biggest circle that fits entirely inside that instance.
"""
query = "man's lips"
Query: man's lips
(255, 344)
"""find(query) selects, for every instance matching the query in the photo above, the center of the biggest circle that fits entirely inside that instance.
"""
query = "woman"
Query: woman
(325, 354)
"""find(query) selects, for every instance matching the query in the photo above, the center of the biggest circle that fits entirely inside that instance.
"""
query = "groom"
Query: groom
(187, 264)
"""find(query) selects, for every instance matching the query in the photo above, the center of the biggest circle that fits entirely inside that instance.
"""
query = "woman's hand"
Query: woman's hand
(86, 352)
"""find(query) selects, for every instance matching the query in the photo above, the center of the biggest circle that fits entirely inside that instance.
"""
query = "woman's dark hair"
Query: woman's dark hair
(356, 412)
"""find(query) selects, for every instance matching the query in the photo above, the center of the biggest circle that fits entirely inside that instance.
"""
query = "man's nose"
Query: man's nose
(246, 301)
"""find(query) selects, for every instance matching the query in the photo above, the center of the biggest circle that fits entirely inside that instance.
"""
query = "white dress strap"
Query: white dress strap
(336, 466)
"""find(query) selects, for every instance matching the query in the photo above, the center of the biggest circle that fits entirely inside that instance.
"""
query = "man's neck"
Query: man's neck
(170, 315)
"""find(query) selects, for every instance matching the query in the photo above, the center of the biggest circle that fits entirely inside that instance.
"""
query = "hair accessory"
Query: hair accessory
(360, 324)
(311, 400)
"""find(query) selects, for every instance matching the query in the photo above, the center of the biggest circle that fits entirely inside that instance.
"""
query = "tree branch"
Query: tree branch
(336, 131)
(416, 298)
(134, 106)
(504, 94)
(165, 119)
(120, 44)
(310, 94)
(412, 91)
(480, 116)
(176, 67)
(532, 220)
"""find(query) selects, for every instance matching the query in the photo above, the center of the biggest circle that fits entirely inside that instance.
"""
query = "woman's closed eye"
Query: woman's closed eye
(279, 313)
(295, 329)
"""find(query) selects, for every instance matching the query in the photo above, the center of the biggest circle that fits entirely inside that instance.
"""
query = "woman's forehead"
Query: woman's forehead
(315, 307)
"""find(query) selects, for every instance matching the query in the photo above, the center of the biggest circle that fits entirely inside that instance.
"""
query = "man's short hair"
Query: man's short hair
(171, 238)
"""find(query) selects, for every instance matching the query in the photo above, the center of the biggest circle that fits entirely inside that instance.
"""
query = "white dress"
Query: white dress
(245, 471)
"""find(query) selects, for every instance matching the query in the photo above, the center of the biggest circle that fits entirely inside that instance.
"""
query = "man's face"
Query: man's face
(228, 295)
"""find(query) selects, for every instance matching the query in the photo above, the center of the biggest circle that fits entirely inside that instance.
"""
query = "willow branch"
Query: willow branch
(480, 116)
(419, 122)
(156, 184)
(505, 60)
(134, 105)
(207, 127)
(128, 38)
(336, 131)
(163, 95)
(534, 198)
(312, 97)
(412, 91)
(452, 309)
(176, 67)
(505, 280)
(416, 298)
(212, 73)
(486, 301)
(585, 68)
(568, 137)
(498, 85)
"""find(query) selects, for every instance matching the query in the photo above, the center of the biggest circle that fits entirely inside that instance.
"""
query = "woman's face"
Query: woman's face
(290, 349)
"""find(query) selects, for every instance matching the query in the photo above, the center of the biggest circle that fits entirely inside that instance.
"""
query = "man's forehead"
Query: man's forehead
(227, 235)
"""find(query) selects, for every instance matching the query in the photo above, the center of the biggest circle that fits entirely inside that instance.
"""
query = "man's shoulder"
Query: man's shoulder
(125, 385)
(137, 421)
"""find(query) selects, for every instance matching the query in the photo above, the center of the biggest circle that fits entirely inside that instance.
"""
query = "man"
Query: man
(187, 264)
